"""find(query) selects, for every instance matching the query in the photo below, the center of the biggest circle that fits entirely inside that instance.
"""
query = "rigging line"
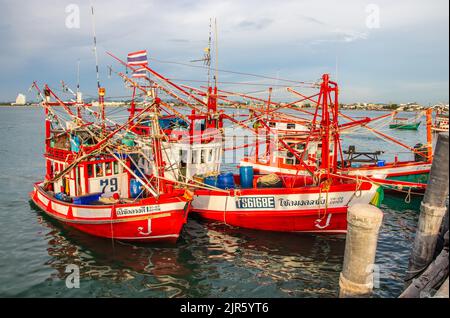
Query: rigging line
(233, 72)
(233, 83)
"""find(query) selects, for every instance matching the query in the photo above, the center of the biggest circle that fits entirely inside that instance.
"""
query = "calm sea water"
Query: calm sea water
(210, 259)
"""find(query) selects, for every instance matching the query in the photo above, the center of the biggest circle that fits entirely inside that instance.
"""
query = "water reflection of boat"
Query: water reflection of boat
(284, 243)
(276, 260)
(99, 257)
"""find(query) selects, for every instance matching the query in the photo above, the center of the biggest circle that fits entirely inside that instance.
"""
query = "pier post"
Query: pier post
(356, 279)
(432, 211)
(434, 275)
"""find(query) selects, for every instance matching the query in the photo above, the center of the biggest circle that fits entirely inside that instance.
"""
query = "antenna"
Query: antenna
(209, 52)
(78, 76)
(217, 52)
(101, 90)
(95, 45)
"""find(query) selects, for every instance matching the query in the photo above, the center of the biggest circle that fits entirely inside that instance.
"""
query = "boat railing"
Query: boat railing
(60, 154)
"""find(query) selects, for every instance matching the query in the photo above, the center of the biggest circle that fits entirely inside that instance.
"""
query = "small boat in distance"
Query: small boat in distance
(404, 123)
(440, 123)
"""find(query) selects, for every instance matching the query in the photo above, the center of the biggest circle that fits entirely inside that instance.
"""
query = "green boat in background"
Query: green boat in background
(404, 123)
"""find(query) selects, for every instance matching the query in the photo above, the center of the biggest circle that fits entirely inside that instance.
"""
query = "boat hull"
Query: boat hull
(405, 126)
(437, 129)
(161, 222)
(307, 209)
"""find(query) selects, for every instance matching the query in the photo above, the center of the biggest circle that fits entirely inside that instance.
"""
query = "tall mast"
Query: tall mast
(325, 124)
(101, 90)
(78, 93)
(429, 116)
(267, 119)
(78, 76)
(216, 45)
(336, 127)
(157, 147)
(208, 53)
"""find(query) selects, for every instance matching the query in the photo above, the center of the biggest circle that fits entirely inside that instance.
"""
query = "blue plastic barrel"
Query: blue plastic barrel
(381, 163)
(60, 196)
(135, 188)
(211, 181)
(246, 177)
(87, 199)
(225, 181)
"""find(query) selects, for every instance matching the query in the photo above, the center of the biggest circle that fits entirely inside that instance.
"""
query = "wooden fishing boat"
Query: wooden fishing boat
(440, 123)
(159, 219)
(404, 124)
(403, 175)
(314, 203)
(93, 184)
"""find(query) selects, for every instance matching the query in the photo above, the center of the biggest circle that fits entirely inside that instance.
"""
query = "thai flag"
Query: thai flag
(137, 58)
(140, 72)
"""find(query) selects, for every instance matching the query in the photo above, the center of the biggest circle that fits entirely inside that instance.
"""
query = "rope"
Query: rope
(358, 187)
(408, 197)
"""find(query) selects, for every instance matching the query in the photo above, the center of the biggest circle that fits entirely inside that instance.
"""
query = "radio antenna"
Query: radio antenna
(78, 76)
(95, 45)
(101, 90)
(217, 52)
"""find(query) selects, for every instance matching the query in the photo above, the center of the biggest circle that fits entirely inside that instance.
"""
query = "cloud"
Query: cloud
(297, 39)
(256, 24)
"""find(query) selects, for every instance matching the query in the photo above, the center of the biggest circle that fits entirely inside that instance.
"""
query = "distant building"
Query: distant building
(21, 100)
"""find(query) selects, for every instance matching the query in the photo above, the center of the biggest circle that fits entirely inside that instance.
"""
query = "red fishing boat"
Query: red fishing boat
(316, 202)
(403, 175)
(440, 123)
(93, 183)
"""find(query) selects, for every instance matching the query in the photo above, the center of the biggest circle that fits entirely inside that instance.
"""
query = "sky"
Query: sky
(377, 50)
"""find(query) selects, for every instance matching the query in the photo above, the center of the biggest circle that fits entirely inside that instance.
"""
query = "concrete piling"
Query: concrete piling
(356, 279)
(432, 211)
(434, 275)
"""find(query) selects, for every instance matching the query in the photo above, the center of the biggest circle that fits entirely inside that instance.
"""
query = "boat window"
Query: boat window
(90, 171)
(289, 161)
(194, 156)
(218, 159)
(99, 170)
(290, 126)
(272, 124)
(116, 167)
(108, 168)
(203, 156)
(210, 155)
